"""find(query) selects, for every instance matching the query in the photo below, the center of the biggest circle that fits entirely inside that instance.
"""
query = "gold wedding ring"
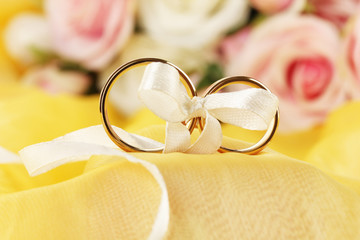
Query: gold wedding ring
(192, 123)
(257, 147)
(110, 82)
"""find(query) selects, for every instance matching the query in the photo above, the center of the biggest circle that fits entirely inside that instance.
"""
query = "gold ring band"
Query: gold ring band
(257, 147)
(106, 90)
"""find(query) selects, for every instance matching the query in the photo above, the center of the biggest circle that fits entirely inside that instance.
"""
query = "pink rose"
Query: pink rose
(275, 6)
(90, 32)
(232, 44)
(351, 57)
(336, 11)
(295, 57)
(53, 80)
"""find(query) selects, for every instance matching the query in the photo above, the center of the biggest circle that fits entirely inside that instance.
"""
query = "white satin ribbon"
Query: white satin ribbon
(8, 157)
(163, 93)
(81, 145)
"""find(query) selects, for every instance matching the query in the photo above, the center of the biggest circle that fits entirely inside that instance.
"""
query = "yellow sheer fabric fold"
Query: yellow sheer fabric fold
(216, 196)
(225, 196)
(29, 116)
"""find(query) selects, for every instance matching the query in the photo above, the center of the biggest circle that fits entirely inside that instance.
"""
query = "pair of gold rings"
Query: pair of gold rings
(192, 123)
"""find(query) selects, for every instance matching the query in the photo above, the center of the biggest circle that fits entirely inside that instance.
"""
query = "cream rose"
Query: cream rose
(25, 34)
(191, 24)
(90, 32)
(123, 94)
(276, 6)
(336, 11)
(295, 56)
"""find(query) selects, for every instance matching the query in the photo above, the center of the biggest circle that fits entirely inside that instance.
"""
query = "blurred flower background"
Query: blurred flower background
(306, 52)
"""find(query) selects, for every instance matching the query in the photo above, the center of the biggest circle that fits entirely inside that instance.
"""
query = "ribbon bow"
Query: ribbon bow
(163, 93)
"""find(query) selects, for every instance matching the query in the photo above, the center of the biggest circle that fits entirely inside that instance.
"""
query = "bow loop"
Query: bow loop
(162, 92)
(252, 108)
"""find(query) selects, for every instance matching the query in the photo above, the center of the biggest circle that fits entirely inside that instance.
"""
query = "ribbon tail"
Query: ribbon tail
(177, 138)
(8, 157)
(76, 146)
(42, 157)
(210, 138)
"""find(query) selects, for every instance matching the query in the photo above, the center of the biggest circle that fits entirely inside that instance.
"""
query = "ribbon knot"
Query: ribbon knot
(196, 107)
(163, 93)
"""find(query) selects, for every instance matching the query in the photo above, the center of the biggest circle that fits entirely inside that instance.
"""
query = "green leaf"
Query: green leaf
(213, 72)
(42, 56)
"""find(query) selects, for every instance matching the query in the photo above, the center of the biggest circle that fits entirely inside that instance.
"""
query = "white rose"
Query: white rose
(24, 34)
(193, 23)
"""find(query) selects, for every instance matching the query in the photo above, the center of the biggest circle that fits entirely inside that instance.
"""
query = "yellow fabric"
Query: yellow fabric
(337, 152)
(218, 196)
(29, 116)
